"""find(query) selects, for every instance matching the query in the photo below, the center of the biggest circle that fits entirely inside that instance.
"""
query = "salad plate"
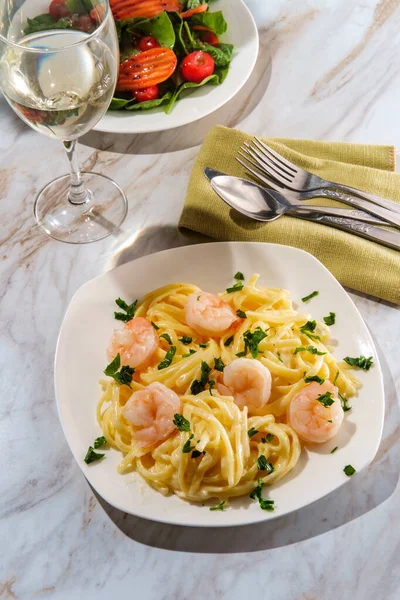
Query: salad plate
(81, 358)
(199, 102)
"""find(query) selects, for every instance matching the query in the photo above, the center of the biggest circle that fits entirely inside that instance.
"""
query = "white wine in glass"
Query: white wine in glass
(58, 71)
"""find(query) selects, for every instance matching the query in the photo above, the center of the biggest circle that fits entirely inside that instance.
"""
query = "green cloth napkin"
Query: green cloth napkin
(357, 263)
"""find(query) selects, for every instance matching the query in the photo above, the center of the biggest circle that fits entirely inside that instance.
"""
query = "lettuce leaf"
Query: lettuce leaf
(126, 46)
(215, 79)
(212, 20)
(178, 27)
(76, 7)
(222, 53)
(44, 22)
(160, 28)
(131, 104)
(151, 103)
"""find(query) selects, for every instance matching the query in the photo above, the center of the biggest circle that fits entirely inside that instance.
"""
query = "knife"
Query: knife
(253, 201)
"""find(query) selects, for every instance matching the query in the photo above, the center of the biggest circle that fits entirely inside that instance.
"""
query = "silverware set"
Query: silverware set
(289, 185)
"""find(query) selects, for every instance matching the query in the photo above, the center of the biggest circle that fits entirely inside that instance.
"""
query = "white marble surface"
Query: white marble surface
(335, 75)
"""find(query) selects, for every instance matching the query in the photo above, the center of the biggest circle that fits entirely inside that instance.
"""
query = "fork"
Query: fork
(289, 176)
(297, 197)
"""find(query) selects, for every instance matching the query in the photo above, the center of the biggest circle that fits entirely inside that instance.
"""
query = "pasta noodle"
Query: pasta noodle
(226, 458)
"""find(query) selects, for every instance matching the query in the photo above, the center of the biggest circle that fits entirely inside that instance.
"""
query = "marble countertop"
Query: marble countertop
(334, 76)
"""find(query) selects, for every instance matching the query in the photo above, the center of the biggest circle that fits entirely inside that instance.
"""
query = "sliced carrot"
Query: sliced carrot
(201, 28)
(171, 5)
(125, 9)
(98, 13)
(146, 68)
(194, 11)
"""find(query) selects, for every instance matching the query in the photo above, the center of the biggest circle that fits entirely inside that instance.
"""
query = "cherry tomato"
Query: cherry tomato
(147, 43)
(149, 93)
(196, 66)
(59, 9)
(209, 37)
(84, 23)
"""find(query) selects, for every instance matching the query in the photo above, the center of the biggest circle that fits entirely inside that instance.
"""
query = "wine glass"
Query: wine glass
(58, 70)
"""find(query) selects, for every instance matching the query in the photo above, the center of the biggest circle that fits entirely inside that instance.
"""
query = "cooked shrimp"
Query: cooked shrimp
(248, 381)
(151, 410)
(136, 343)
(310, 419)
(208, 315)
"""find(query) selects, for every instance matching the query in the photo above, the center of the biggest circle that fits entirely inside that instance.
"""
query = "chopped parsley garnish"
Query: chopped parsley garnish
(344, 402)
(185, 339)
(229, 341)
(241, 314)
(314, 378)
(235, 288)
(251, 341)
(252, 432)
(219, 506)
(199, 385)
(168, 358)
(330, 319)
(349, 470)
(334, 449)
(336, 377)
(180, 422)
(239, 276)
(268, 438)
(218, 364)
(166, 337)
(187, 447)
(129, 310)
(278, 354)
(91, 456)
(211, 385)
(203, 344)
(310, 349)
(312, 295)
(326, 399)
(124, 376)
(361, 362)
(191, 351)
(264, 465)
(156, 327)
(257, 493)
(197, 453)
(99, 442)
(240, 354)
(308, 330)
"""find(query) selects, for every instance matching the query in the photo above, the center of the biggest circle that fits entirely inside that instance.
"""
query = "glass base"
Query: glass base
(95, 219)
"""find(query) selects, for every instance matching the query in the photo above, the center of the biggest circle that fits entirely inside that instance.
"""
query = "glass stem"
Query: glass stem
(77, 192)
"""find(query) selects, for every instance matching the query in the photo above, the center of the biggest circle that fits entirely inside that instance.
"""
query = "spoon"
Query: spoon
(267, 205)
(263, 204)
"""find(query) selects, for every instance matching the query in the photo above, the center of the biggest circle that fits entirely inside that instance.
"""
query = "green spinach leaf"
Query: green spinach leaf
(160, 28)
(212, 20)
(44, 22)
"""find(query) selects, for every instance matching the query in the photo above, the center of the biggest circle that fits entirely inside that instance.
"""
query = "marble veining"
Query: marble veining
(326, 70)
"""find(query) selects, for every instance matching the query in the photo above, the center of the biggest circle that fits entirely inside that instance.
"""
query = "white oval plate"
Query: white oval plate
(242, 32)
(81, 358)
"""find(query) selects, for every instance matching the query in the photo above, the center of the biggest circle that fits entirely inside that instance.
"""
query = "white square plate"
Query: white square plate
(81, 358)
